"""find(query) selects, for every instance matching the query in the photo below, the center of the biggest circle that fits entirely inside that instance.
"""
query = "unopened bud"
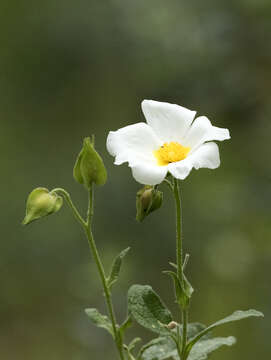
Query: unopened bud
(172, 325)
(148, 199)
(89, 167)
(41, 203)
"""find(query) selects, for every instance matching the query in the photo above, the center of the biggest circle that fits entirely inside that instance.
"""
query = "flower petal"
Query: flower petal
(133, 143)
(169, 121)
(206, 156)
(149, 174)
(181, 169)
(201, 131)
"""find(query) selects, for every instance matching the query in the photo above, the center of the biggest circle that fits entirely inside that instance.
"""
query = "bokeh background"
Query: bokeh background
(69, 69)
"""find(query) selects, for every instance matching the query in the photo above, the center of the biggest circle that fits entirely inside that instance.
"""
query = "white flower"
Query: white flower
(169, 142)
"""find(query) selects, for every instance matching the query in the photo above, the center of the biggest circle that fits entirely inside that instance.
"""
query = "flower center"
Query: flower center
(170, 152)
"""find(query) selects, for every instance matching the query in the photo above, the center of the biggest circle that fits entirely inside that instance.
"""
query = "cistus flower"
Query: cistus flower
(170, 142)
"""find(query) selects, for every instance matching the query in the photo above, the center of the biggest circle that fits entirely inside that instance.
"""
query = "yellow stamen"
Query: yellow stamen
(170, 152)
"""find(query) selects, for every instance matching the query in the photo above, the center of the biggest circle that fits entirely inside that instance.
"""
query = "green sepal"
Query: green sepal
(183, 292)
(148, 309)
(89, 167)
(99, 320)
(115, 269)
(148, 199)
(40, 203)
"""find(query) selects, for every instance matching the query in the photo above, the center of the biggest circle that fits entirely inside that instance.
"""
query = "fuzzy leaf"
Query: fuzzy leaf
(164, 347)
(99, 320)
(204, 347)
(158, 349)
(116, 266)
(148, 309)
(193, 329)
(237, 315)
(183, 293)
(126, 324)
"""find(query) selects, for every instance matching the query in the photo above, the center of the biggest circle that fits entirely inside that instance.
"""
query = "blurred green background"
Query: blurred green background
(73, 68)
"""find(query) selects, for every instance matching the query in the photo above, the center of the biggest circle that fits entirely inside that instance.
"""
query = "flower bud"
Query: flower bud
(41, 203)
(89, 167)
(148, 199)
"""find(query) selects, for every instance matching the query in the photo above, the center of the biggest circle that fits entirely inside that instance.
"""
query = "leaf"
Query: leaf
(99, 320)
(158, 349)
(116, 266)
(133, 343)
(193, 329)
(164, 347)
(183, 293)
(204, 347)
(125, 325)
(148, 309)
(237, 315)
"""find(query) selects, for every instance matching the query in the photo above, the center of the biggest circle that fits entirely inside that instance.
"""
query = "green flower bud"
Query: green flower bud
(89, 167)
(41, 203)
(148, 199)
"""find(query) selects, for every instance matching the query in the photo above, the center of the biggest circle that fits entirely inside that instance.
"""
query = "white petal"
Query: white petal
(149, 174)
(202, 130)
(133, 143)
(169, 121)
(206, 156)
(181, 169)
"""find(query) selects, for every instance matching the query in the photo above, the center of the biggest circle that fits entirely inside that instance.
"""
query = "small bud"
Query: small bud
(89, 167)
(148, 199)
(172, 325)
(41, 203)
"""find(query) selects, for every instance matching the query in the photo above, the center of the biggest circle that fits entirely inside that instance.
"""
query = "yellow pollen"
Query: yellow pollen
(170, 152)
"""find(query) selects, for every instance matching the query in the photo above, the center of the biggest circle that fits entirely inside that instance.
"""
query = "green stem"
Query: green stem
(179, 245)
(184, 337)
(178, 343)
(97, 259)
(179, 256)
(73, 208)
(87, 227)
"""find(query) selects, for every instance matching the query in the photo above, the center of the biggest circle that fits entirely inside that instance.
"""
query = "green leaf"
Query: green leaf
(183, 293)
(116, 266)
(133, 343)
(99, 320)
(237, 315)
(148, 309)
(126, 324)
(164, 347)
(204, 347)
(193, 329)
(158, 349)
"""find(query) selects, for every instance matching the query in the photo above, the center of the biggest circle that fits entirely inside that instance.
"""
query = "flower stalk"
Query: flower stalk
(86, 224)
(179, 259)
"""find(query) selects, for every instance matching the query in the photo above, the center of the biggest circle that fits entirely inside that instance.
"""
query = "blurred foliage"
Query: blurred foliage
(69, 69)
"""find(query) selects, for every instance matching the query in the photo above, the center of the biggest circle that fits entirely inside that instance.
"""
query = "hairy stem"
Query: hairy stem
(179, 258)
(88, 231)
(179, 245)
